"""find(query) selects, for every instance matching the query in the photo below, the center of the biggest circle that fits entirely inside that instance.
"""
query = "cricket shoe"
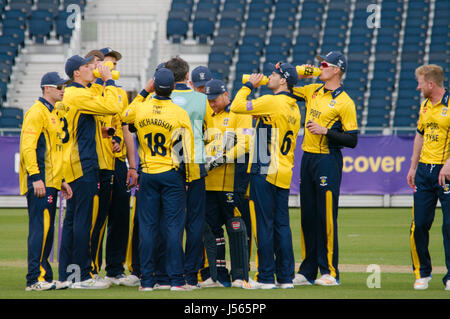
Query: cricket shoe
(120, 280)
(90, 284)
(289, 285)
(447, 285)
(422, 283)
(131, 280)
(251, 284)
(210, 283)
(180, 288)
(327, 280)
(162, 287)
(300, 280)
(60, 285)
(41, 286)
(145, 288)
(194, 287)
(237, 283)
(101, 279)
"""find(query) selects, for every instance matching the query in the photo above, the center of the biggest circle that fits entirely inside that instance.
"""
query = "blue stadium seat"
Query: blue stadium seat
(203, 29)
(40, 25)
(23, 5)
(176, 29)
(63, 31)
(51, 6)
(10, 122)
(14, 112)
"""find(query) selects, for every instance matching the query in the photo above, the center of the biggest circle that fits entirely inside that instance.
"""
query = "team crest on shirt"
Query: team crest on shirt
(424, 110)
(314, 95)
(229, 197)
(225, 121)
(120, 98)
(53, 121)
(444, 111)
(332, 103)
(323, 180)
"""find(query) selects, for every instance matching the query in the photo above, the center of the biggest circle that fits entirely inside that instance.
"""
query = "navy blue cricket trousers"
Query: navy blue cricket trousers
(75, 252)
(320, 180)
(273, 231)
(195, 221)
(41, 226)
(106, 179)
(426, 195)
(118, 222)
(162, 203)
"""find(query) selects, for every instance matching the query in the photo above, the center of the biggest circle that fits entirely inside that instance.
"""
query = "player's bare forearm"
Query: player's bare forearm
(417, 149)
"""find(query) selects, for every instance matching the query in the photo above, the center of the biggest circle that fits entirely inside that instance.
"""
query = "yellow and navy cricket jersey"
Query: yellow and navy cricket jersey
(434, 125)
(334, 110)
(41, 148)
(161, 126)
(216, 125)
(79, 129)
(104, 142)
(272, 151)
(123, 100)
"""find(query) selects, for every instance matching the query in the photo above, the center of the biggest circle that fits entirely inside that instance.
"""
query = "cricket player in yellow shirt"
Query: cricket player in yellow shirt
(163, 129)
(272, 160)
(125, 178)
(429, 174)
(41, 176)
(330, 125)
(81, 169)
(228, 138)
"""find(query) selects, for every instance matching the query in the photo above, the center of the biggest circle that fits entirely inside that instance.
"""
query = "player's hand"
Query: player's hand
(214, 161)
(315, 128)
(66, 191)
(410, 178)
(116, 146)
(150, 85)
(132, 178)
(444, 174)
(105, 72)
(39, 188)
(255, 79)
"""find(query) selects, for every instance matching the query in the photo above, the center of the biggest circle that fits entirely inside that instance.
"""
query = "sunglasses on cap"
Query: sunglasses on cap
(58, 87)
(326, 64)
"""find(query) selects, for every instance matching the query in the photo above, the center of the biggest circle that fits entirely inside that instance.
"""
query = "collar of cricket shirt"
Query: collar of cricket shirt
(47, 104)
(182, 86)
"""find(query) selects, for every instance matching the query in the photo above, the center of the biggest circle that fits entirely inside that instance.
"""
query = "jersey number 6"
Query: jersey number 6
(286, 145)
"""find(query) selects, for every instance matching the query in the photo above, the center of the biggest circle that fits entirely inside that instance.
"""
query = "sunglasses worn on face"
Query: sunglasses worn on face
(58, 87)
(326, 64)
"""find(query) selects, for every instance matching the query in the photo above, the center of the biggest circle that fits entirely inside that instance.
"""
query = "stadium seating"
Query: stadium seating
(36, 19)
(380, 75)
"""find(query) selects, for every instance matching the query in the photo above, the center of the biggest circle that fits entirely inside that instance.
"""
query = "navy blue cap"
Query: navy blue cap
(214, 88)
(164, 79)
(111, 52)
(74, 62)
(336, 58)
(160, 66)
(52, 78)
(287, 71)
(200, 75)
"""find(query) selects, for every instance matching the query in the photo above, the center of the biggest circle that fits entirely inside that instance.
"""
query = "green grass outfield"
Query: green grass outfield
(366, 236)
